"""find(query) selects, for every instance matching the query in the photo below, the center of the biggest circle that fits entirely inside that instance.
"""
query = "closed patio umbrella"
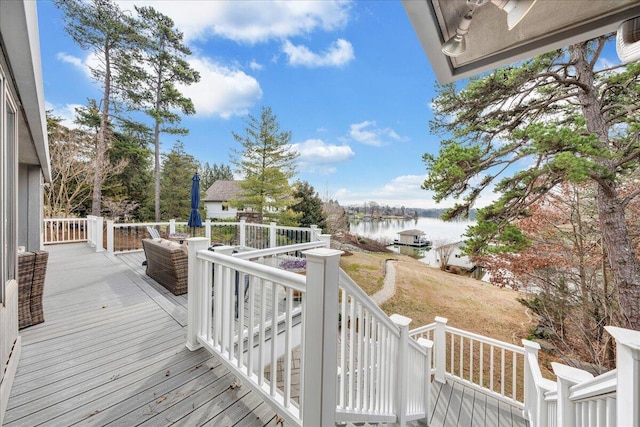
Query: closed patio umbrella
(194, 217)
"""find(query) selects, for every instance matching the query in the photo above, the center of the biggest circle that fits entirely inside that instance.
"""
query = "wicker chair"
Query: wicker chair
(166, 264)
(32, 269)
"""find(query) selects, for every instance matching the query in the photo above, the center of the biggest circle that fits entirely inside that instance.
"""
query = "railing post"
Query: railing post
(172, 227)
(99, 239)
(110, 230)
(428, 346)
(532, 402)
(320, 364)
(91, 226)
(207, 229)
(567, 376)
(628, 365)
(195, 284)
(272, 235)
(315, 233)
(402, 368)
(326, 238)
(243, 234)
(440, 343)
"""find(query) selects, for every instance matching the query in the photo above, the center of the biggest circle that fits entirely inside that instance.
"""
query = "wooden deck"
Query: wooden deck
(112, 352)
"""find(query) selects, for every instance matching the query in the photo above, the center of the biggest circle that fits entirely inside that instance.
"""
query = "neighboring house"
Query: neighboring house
(217, 197)
(24, 167)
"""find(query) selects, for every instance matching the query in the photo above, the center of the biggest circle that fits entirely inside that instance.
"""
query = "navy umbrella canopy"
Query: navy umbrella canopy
(194, 218)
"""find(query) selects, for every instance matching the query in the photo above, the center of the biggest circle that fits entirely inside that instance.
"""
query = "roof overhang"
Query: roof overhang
(549, 25)
(20, 42)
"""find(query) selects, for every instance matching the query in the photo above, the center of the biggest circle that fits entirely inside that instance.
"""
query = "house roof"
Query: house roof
(222, 191)
(548, 25)
(413, 232)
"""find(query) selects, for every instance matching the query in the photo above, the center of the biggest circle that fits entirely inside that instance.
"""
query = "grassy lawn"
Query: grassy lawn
(367, 270)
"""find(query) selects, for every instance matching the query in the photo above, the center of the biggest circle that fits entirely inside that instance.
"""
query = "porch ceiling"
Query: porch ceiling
(550, 24)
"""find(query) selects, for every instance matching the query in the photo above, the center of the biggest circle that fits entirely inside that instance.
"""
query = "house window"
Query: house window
(8, 187)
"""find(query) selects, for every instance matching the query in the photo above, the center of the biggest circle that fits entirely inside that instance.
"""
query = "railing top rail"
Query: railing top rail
(601, 385)
(348, 283)
(278, 250)
(286, 227)
(422, 329)
(486, 340)
(138, 224)
(273, 274)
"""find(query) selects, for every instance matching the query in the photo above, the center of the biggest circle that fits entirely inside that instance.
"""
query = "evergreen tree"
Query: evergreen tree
(178, 168)
(266, 164)
(161, 67)
(568, 121)
(309, 205)
(210, 174)
(102, 28)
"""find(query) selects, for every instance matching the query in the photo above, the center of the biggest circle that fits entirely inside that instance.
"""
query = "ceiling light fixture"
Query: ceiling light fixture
(457, 44)
(628, 41)
(515, 10)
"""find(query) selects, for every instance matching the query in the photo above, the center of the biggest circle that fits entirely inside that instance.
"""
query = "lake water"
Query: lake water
(435, 229)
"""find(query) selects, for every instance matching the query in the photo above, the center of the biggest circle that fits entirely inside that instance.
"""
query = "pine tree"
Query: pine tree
(266, 163)
(309, 205)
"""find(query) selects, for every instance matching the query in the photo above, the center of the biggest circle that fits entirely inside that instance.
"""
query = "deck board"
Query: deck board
(112, 351)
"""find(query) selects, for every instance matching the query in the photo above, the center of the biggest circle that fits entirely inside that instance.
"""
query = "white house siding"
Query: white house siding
(24, 163)
(214, 211)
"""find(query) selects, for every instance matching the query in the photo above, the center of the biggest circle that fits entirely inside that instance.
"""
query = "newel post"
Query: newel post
(402, 368)
(243, 233)
(567, 377)
(272, 235)
(428, 346)
(196, 292)
(99, 229)
(440, 342)
(326, 238)
(320, 373)
(628, 365)
(172, 227)
(533, 403)
(207, 229)
(90, 227)
(110, 230)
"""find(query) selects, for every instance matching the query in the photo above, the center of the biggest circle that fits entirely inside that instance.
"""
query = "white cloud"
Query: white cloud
(404, 190)
(221, 91)
(369, 133)
(338, 55)
(83, 65)
(256, 66)
(251, 21)
(65, 112)
(318, 157)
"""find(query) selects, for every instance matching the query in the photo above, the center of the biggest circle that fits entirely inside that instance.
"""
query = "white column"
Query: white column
(428, 346)
(99, 239)
(402, 368)
(272, 235)
(534, 404)
(567, 377)
(243, 234)
(315, 233)
(440, 342)
(91, 226)
(172, 226)
(320, 364)
(628, 365)
(195, 285)
(110, 230)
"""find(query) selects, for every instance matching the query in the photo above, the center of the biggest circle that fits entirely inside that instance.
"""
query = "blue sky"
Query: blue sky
(348, 79)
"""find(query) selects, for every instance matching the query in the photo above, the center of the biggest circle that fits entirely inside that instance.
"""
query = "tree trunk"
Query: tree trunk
(101, 142)
(624, 264)
(156, 138)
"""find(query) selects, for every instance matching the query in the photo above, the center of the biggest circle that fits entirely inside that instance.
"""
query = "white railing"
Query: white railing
(485, 364)
(64, 230)
(372, 386)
